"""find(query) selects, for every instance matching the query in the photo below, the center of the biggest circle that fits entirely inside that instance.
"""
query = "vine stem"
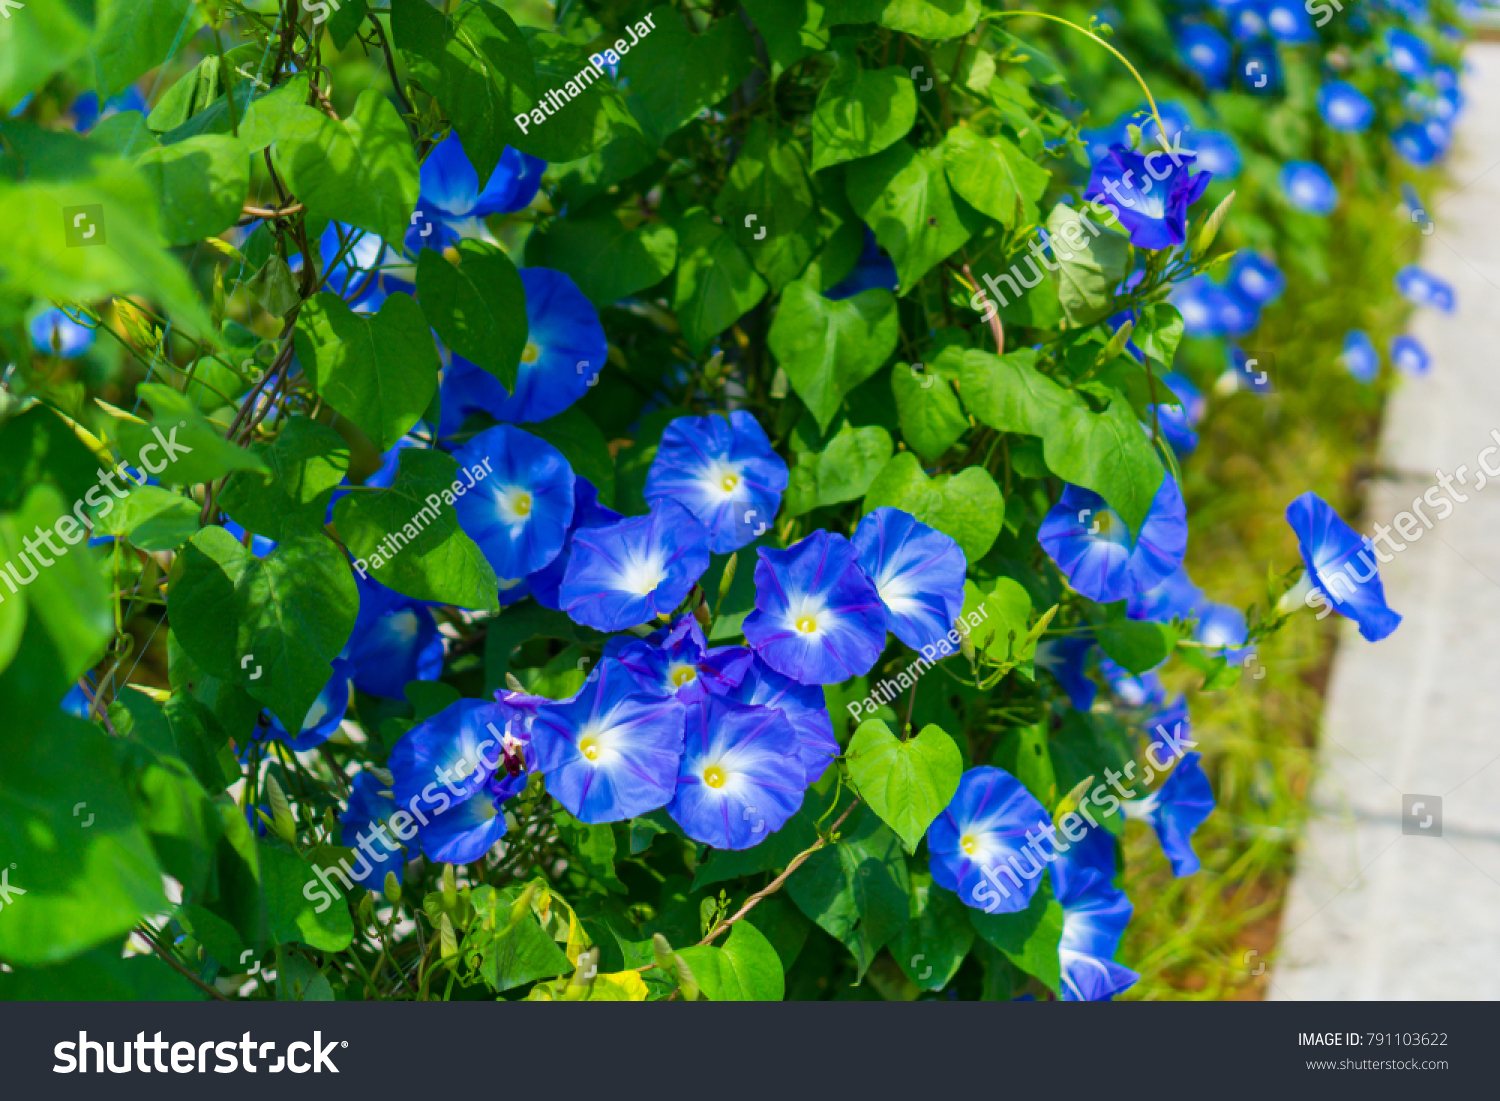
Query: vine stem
(1090, 34)
(775, 884)
(181, 970)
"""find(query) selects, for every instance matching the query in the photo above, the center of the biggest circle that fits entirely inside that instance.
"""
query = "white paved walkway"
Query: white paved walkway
(1375, 913)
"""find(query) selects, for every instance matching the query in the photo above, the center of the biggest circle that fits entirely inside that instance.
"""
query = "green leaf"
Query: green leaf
(1135, 644)
(967, 507)
(1158, 332)
(828, 348)
(290, 887)
(1005, 613)
(271, 625)
(184, 728)
(790, 29)
(523, 955)
(305, 463)
(478, 66)
(606, 260)
(902, 194)
(201, 454)
(99, 975)
(380, 371)
(594, 846)
(746, 969)
(268, 116)
(860, 112)
(716, 283)
(923, 18)
(478, 308)
(1089, 266)
(841, 472)
(134, 36)
(39, 446)
(1028, 938)
(362, 171)
(439, 562)
(768, 195)
(927, 408)
(346, 19)
(934, 943)
(72, 885)
(674, 74)
(584, 446)
(994, 177)
(856, 890)
(41, 39)
(907, 783)
(588, 113)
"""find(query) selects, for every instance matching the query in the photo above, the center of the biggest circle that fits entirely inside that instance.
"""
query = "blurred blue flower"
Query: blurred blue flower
(1415, 145)
(1259, 68)
(1134, 690)
(368, 818)
(1422, 288)
(521, 500)
(627, 573)
(546, 583)
(1406, 53)
(452, 206)
(86, 113)
(395, 641)
(1209, 309)
(1221, 627)
(1344, 107)
(1256, 276)
(724, 471)
(1094, 548)
(1177, 422)
(1408, 355)
(981, 836)
(919, 573)
(740, 777)
(1360, 356)
(1067, 660)
(1174, 597)
(818, 617)
(54, 333)
(1247, 21)
(612, 751)
(1218, 155)
(1341, 565)
(1175, 810)
(1205, 51)
(804, 706)
(1308, 187)
(1095, 914)
(1246, 374)
(1289, 22)
(1152, 198)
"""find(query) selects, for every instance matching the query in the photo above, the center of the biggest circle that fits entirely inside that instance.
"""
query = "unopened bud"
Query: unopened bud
(727, 581)
(447, 938)
(521, 906)
(450, 887)
(392, 888)
(281, 812)
(513, 684)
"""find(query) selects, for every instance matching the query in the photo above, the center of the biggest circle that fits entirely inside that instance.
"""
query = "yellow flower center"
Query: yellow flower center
(590, 748)
(970, 844)
(714, 776)
(520, 504)
(807, 624)
(683, 674)
(729, 482)
(530, 353)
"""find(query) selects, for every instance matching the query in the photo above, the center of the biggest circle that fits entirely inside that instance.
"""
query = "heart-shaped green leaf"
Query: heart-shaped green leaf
(828, 348)
(907, 783)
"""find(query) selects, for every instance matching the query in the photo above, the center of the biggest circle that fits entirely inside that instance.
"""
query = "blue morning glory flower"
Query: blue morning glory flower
(679, 662)
(1406, 53)
(979, 845)
(86, 113)
(54, 333)
(1177, 422)
(1174, 116)
(395, 642)
(1175, 597)
(519, 507)
(627, 573)
(1094, 852)
(1414, 144)
(1205, 51)
(1152, 199)
(1143, 690)
(1067, 659)
(546, 583)
(1245, 373)
(1344, 107)
(1175, 810)
(1247, 21)
(1422, 288)
(1211, 310)
(452, 206)
(918, 571)
(371, 805)
(740, 778)
(1360, 356)
(1288, 21)
(818, 617)
(726, 473)
(1095, 914)
(260, 546)
(448, 757)
(803, 705)
(467, 830)
(1256, 276)
(1408, 355)
(1221, 627)
(1259, 68)
(323, 718)
(612, 751)
(1094, 549)
(873, 269)
(1444, 78)
(1341, 564)
(1308, 187)
(1218, 155)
